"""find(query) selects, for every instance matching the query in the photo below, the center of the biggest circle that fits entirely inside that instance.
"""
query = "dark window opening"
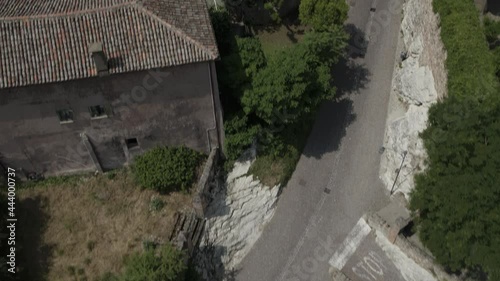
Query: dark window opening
(98, 111)
(132, 143)
(65, 115)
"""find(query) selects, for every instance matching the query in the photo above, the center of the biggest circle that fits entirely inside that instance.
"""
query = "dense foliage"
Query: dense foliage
(492, 31)
(456, 199)
(167, 169)
(323, 15)
(239, 66)
(166, 264)
(296, 80)
(469, 63)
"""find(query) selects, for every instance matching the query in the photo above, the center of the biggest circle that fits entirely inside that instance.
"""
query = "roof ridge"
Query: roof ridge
(67, 14)
(175, 29)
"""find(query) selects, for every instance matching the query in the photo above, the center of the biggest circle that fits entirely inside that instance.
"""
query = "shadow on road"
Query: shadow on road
(349, 76)
(334, 117)
(357, 43)
(330, 127)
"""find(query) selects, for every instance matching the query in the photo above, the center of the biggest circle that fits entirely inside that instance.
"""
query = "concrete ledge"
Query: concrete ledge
(91, 152)
(420, 257)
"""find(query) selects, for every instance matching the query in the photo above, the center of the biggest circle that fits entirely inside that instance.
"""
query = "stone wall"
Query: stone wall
(201, 198)
(420, 80)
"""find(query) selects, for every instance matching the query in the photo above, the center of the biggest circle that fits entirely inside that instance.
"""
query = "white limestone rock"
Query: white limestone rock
(415, 89)
(236, 218)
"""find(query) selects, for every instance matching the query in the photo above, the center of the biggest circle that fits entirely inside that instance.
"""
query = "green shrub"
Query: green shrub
(239, 135)
(492, 30)
(165, 265)
(469, 63)
(156, 204)
(167, 169)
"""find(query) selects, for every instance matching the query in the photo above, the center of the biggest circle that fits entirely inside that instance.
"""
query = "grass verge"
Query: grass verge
(273, 169)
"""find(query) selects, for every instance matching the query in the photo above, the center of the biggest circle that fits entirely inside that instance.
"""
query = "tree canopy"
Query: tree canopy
(457, 198)
(295, 80)
(323, 15)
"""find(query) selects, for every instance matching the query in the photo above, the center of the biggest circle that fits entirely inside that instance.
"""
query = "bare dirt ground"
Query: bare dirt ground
(81, 229)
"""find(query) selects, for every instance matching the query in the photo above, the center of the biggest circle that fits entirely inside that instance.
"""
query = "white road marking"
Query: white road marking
(350, 244)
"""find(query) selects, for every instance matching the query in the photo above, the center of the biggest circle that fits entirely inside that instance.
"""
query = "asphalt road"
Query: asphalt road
(336, 180)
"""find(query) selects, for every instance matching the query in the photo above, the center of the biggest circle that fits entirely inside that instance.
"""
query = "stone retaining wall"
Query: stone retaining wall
(201, 198)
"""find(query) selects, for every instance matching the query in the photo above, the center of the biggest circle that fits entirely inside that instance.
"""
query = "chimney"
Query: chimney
(100, 60)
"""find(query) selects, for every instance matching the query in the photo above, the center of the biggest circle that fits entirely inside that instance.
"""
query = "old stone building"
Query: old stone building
(87, 84)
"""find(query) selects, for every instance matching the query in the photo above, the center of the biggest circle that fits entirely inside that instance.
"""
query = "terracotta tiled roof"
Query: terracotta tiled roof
(44, 41)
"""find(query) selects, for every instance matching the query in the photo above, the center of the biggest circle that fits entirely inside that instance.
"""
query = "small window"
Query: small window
(98, 111)
(132, 143)
(65, 115)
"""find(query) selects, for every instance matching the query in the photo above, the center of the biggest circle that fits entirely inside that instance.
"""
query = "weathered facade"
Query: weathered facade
(57, 115)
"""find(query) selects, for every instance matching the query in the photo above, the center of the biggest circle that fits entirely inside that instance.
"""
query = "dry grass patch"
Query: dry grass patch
(85, 229)
(279, 38)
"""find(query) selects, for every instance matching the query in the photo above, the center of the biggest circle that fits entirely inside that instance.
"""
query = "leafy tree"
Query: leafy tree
(492, 31)
(251, 55)
(221, 23)
(457, 198)
(237, 69)
(167, 168)
(239, 135)
(323, 15)
(296, 80)
(166, 265)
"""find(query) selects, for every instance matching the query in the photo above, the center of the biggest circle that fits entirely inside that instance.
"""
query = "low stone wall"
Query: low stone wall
(412, 251)
(423, 259)
(201, 198)
(337, 275)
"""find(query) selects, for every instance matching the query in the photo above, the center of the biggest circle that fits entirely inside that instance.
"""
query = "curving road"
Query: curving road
(336, 180)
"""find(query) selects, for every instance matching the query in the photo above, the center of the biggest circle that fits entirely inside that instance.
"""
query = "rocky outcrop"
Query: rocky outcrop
(419, 81)
(235, 220)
